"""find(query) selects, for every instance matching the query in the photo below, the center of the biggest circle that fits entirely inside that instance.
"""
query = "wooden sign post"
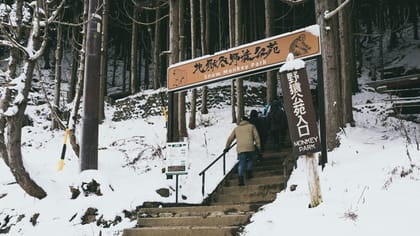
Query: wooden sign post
(301, 120)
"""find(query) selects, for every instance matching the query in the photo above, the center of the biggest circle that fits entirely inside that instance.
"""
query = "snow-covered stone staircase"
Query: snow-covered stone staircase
(227, 209)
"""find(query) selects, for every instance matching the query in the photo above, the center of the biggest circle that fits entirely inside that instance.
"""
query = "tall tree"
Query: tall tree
(90, 122)
(181, 106)
(240, 82)
(104, 60)
(192, 123)
(413, 18)
(74, 52)
(79, 86)
(156, 51)
(15, 96)
(204, 8)
(134, 51)
(329, 32)
(232, 40)
(271, 75)
(174, 58)
(57, 74)
(347, 61)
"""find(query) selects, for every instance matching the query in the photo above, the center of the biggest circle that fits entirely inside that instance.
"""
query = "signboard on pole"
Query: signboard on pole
(244, 60)
(299, 110)
(176, 158)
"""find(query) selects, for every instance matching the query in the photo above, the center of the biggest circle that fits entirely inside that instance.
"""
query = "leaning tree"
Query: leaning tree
(24, 33)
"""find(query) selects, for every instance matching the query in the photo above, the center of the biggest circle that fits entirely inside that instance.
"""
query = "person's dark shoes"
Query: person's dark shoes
(249, 174)
(241, 181)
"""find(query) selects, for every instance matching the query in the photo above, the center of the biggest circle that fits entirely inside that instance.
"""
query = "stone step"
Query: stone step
(249, 188)
(258, 180)
(222, 220)
(242, 198)
(277, 172)
(182, 231)
(258, 169)
(198, 210)
(266, 161)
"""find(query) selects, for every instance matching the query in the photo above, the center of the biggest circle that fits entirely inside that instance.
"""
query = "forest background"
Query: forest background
(140, 39)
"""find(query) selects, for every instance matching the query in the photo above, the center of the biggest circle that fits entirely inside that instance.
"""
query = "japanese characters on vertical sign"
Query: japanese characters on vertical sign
(300, 112)
(244, 60)
(176, 158)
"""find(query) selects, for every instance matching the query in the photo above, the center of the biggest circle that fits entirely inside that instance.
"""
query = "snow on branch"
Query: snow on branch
(5, 43)
(54, 14)
(328, 14)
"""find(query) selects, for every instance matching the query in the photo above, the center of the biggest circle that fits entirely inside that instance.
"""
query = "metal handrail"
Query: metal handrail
(203, 172)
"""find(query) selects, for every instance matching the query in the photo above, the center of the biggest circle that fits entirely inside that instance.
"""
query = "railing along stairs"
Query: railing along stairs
(203, 172)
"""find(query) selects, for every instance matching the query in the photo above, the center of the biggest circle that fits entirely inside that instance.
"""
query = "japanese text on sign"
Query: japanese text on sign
(300, 112)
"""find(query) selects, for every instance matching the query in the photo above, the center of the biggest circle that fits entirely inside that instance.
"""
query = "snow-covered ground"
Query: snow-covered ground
(371, 184)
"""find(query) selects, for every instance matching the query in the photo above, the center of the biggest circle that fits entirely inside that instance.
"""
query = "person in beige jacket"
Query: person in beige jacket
(247, 144)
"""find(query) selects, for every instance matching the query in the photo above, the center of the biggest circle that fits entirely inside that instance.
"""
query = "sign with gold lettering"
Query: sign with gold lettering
(244, 60)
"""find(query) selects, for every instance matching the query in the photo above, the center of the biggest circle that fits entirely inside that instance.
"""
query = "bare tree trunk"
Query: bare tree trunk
(381, 26)
(232, 40)
(146, 55)
(114, 66)
(125, 66)
(74, 54)
(347, 62)
(104, 61)
(133, 60)
(192, 123)
(181, 109)
(271, 75)
(14, 142)
(240, 81)
(204, 50)
(73, 67)
(156, 49)
(58, 60)
(4, 103)
(14, 134)
(413, 18)
(330, 71)
(14, 52)
(79, 87)
(174, 58)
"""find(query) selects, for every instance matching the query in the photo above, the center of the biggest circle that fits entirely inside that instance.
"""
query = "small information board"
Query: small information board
(176, 158)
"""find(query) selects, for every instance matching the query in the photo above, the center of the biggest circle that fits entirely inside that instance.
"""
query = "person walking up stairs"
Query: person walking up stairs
(247, 145)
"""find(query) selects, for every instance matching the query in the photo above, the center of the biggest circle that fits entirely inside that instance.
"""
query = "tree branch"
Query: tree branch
(328, 14)
(50, 106)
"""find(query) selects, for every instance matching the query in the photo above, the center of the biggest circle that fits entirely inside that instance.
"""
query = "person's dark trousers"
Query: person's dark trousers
(245, 161)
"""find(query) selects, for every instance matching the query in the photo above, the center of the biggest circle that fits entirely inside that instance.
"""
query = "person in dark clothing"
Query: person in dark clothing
(278, 124)
(259, 124)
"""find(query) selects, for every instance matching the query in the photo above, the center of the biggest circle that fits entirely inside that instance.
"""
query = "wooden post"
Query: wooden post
(313, 179)
(89, 140)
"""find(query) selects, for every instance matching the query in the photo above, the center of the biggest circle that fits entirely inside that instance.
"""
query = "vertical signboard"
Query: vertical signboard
(176, 158)
(300, 111)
